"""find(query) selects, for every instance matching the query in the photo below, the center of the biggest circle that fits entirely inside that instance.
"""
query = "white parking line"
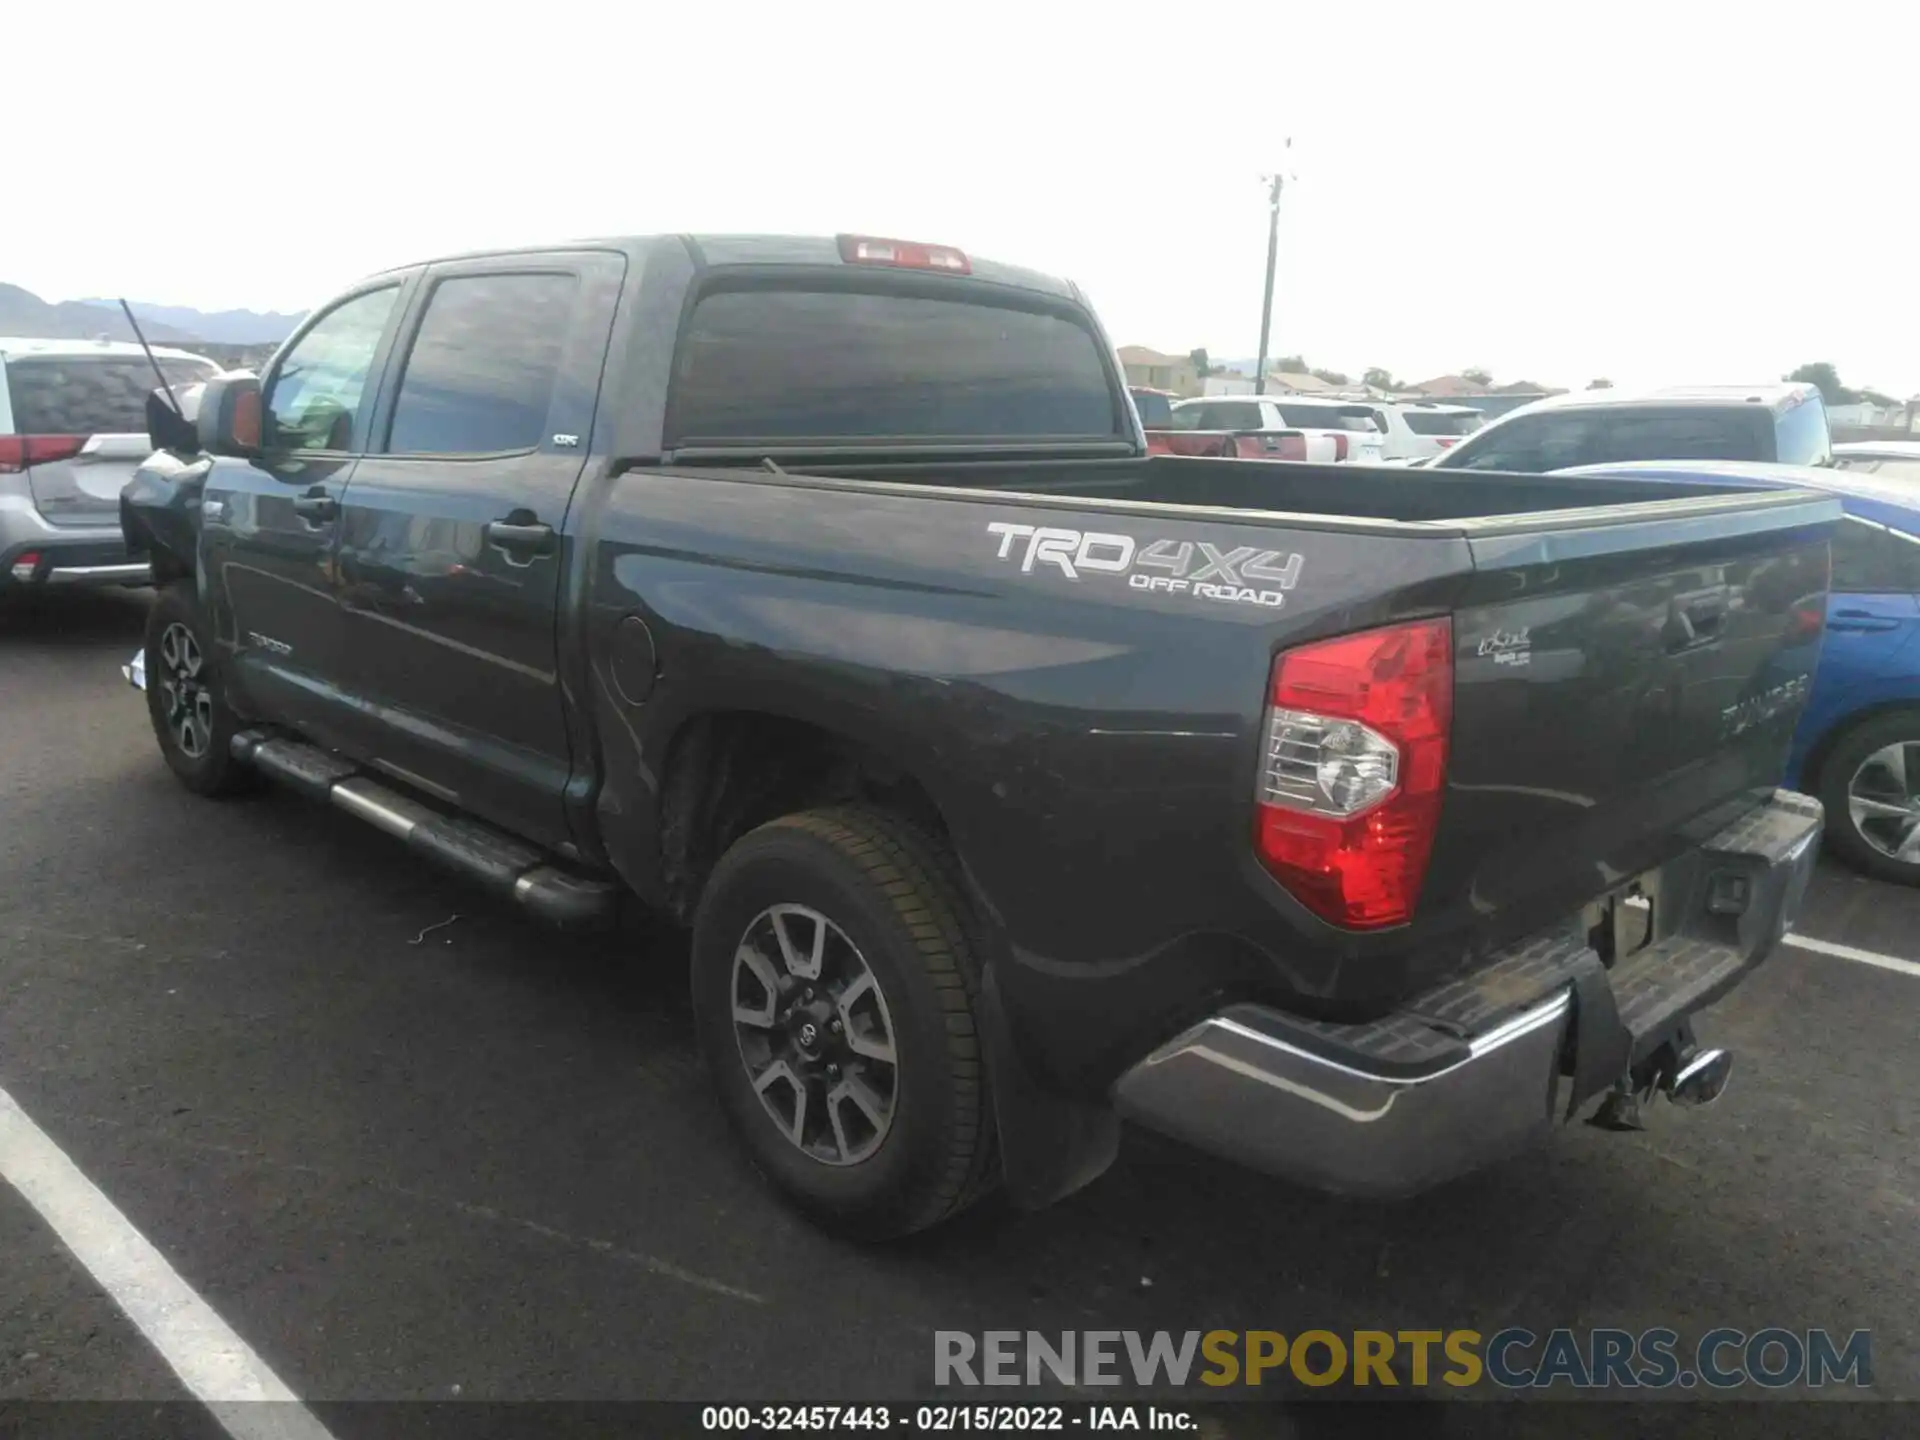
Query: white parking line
(1848, 952)
(216, 1365)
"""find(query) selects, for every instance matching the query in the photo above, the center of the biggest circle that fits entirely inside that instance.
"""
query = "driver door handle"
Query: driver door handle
(521, 533)
(316, 505)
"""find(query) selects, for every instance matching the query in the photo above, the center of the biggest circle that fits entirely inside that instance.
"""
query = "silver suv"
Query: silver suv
(73, 428)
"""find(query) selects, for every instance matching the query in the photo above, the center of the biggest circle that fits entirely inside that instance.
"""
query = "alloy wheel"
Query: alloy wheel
(815, 1034)
(1883, 798)
(186, 700)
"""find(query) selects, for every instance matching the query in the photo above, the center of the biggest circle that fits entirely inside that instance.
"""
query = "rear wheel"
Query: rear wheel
(833, 987)
(186, 701)
(1870, 785)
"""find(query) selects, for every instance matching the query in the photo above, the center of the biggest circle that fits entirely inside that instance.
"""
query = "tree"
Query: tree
(1380, 378)
(1332, 377)
(1477, 376)
(1291, 365)
(1200, 362)
(1602, 384)
(1824, 378)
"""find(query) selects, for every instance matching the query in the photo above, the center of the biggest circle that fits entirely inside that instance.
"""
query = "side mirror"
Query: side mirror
(171, 430)
(228, 422)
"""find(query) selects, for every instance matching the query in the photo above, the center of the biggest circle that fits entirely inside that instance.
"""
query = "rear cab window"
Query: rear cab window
(820, 362)
(91, 394)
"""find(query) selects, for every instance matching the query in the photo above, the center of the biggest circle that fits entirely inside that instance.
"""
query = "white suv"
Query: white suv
(1334, 429)
(1419, 432)
(73, 429)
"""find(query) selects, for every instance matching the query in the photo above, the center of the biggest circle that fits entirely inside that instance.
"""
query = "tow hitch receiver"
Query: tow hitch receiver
(1679, 1070)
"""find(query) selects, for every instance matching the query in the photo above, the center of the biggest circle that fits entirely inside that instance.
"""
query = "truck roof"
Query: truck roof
(1775, 395)
(748, 249)
(23, 345)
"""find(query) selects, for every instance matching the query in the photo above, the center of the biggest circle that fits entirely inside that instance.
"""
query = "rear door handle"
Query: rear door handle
(316, 505)
(1860, 622)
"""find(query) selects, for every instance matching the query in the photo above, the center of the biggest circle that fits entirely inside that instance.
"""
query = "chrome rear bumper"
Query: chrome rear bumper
(1232, 1087)
(1489, 1063)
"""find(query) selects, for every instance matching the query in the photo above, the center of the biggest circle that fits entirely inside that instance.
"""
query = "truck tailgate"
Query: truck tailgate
(1624, 687)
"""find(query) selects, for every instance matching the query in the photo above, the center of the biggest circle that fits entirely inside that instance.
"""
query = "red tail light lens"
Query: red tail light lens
(1340, 445)
(1447, 442)
(17, 452)
(1356, 760)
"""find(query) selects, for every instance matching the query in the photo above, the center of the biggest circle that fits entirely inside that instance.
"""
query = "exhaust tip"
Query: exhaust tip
(1700, 1079)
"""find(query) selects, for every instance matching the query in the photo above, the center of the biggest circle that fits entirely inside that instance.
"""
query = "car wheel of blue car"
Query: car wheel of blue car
(1870, 784)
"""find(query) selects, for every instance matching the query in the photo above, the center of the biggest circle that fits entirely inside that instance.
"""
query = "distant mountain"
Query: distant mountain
(25, 314)
(227, 327)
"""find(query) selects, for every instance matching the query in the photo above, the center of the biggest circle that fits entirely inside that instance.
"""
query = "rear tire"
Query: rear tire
(186, 697)
(1868, 779)
(907, 1143)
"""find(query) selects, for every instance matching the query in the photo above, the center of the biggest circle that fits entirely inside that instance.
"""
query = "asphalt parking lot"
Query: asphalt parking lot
(412, 1159)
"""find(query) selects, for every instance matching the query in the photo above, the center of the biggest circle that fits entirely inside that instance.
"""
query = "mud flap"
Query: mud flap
(1602, 1045)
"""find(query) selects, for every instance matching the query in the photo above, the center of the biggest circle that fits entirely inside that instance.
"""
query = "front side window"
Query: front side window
(314, 400)
(1440, 422)
(479, 377)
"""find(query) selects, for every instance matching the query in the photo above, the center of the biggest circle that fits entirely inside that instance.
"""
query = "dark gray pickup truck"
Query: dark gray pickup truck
(1359, 824)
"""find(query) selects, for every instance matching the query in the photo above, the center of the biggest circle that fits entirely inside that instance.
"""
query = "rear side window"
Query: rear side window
(1426, 422)
(87, 395)
(1316, 417)
(479, 377)
(1537, 443)
(1800, 434)
(834, 364)
(1870, 560)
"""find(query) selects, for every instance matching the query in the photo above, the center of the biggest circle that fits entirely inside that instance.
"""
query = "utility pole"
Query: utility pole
(1273, 258)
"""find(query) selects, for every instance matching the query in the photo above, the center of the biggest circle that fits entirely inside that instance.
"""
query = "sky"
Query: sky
(1687, 192)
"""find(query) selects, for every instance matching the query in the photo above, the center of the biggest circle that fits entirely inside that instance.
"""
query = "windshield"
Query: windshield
(1326, 417)
(1155, 412)
(767, 363)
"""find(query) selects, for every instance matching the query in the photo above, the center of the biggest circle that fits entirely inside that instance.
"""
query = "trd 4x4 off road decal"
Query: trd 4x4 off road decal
(1242, 575)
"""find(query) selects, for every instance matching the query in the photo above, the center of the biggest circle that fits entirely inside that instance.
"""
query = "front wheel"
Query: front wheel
(185, 699)
(1870, 785)
(833, 988)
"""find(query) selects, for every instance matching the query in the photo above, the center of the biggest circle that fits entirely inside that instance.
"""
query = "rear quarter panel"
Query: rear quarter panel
(1091, 744)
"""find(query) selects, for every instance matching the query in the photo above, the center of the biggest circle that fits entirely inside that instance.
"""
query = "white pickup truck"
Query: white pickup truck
(1334, 429)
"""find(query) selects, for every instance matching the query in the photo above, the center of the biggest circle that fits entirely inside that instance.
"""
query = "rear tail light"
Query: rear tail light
(1808, 620)
(1447, 442)
(26, 567)
(1356, 760)
(1340, 445)
(902, 254)
(18, 452)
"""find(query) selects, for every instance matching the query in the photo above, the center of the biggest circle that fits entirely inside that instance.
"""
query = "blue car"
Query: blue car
(1858, 746)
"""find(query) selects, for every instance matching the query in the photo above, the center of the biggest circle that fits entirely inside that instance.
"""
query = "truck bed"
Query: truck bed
(1289, 488)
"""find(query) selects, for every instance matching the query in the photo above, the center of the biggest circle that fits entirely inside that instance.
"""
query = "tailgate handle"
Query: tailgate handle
(1695, 619)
